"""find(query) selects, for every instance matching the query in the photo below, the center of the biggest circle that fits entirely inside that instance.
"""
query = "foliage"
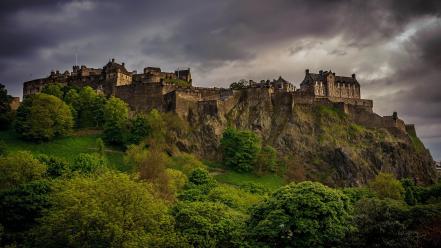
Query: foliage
(139, 129)
(110, 210)
(42, 117)
(241, 84)
(386, 186)
(56, 167)
(18, 168)
(86, 163)
(307, 214)
(382, 223)
(270, 182)
(356, 194)
(116, 113)
(240, 149)
(209, 224)
(266, 160)
(88, 105)
(177, 82)
(54, 89)
(409, 187)
(5, 108)
(66, 148)
(100, 147)
(20, 207)
(186, 163)
(3, 148)
(233, 197)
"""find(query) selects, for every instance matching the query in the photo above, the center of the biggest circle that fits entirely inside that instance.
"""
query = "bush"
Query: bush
(86, 163)
(307, 214)
(18, 168)
(5, 108)
(56, 167)
(266, 160)
(139, 129)
(42, 117)
(386, 186)
(240, 149)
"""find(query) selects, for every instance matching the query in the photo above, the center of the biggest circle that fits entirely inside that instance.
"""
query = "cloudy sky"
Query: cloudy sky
(394, 46)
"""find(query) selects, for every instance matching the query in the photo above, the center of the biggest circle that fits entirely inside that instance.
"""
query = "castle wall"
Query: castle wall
(143, 97)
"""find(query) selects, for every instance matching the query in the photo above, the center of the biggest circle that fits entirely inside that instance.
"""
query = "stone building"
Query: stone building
(327, 84)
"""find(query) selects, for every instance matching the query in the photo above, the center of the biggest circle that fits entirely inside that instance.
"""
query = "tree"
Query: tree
(86, 163)
(54, 89)
(89, 106)
(241, 84)
(56, 167)
(240, 149)
(382, 223)
(139, 129)
(110, 210)
(116, 113)
(18, 168)
(42, 117)
(5, 108)
(209, 224)
(20, 207)
(386, 186)
(100, 147)
(409, 187)
(307, 214)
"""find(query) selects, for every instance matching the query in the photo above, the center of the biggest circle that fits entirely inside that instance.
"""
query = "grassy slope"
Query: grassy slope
(271, 182)
(67, 148)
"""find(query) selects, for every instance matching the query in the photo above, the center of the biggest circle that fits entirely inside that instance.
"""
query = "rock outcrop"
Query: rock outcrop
(331, 146)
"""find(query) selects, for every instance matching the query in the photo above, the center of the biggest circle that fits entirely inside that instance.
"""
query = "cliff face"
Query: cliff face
(324, 142)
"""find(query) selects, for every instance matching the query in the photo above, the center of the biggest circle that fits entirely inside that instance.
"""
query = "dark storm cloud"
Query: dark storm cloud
(227, 40)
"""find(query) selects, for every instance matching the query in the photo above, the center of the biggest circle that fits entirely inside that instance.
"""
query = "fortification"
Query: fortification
(173, 91)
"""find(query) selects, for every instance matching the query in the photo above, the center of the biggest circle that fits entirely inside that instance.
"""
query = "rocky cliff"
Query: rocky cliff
(327, 144)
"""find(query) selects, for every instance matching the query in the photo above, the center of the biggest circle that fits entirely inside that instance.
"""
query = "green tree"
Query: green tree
(209, 224)
(139, 129)
(241, 84)
(240, 149)
(54, 89)
(110, 210)
(386, 186)
(307, 214)
(18, 168)
(89, 106)
(5, 108)
(116, 113)
(382, 223)
(19, 209)
(86, 163)
(42, 117)
(56, 167)
(409, 187)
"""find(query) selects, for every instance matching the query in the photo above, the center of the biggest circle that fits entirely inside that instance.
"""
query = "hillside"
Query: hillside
(327, 144)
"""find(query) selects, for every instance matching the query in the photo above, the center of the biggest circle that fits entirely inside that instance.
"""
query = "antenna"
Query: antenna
(76, 58)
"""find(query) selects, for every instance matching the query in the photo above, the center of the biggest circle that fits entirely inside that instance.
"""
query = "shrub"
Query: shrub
(386, 186)
(42, 117)
(56, 167)
(18, 168)
(86, 163)
(240, 149)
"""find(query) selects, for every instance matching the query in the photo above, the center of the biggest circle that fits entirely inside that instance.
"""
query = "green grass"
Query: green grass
(271, 182)
(67, 148)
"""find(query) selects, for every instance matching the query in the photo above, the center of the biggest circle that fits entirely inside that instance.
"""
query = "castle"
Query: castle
(173, 91)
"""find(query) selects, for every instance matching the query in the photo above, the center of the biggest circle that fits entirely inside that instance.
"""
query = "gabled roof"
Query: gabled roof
(312, 77)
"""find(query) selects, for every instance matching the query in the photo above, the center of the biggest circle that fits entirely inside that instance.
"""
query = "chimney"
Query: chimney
(353, 75)
(321, 72)
(123, 64)
(307, 71)
(113, 60)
